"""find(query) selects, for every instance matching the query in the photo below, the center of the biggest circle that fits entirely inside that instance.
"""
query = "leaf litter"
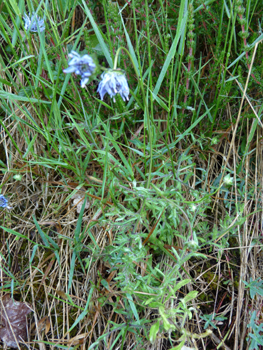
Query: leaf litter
(13, 321)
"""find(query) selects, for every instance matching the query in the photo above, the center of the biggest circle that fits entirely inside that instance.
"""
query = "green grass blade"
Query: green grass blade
(99, 36)
(71, 271)
(182, 20)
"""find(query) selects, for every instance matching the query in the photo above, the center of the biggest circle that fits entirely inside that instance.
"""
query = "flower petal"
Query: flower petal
(70, 69)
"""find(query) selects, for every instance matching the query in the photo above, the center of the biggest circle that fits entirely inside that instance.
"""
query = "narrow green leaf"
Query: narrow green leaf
(227, 9)
(13, 97)
(33, 253)
(161, 103)
(46, 239)
(130, 46)
(78, 227)
(122, 156)
(179, 32)
(205, 3)
(10, 136)
(84, 312)
(17, 234)
(72, 268)
(31, 144)
(243, 54)
(103, 45)
(42, 234)
(133, 307)
(187, 131)
(15, 7)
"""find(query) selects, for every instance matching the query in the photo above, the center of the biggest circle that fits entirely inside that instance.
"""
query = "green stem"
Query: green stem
(145, 104)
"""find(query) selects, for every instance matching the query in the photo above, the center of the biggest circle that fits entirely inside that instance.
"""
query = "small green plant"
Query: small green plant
(173, 318)
(212, 320)
(255, 287)
(255, 336)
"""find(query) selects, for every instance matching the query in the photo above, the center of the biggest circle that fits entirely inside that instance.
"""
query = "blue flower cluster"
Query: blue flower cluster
(33, 21)
(83, 66)
(4, 202)
(113, 81)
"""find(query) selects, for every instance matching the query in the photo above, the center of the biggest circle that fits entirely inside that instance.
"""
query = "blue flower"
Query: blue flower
(83, 66)
(4, 202)
(32, 21)
(114, 82)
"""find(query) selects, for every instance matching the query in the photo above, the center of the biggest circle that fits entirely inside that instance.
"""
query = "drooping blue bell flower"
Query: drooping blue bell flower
(114, 82)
